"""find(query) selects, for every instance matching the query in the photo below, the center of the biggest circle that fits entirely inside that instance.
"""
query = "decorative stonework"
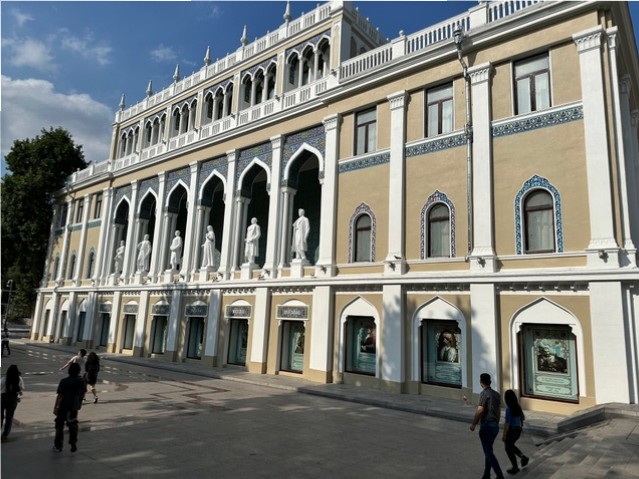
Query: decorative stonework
(588, 40)
(397, 100)
(217, 164)
(263, 152)
(161, 309)
(130, 309)
(541, 120)
(237, 311)
(260, 66)
(105, 308)
(366, 162)
(359, 211)
(223, 85)
(149, 184)
(173, 177)
(436, 144)
(196, 310)
(314, 41)
(481, 74)
(291, 312)
(436, 197)
(156, 116)
(122, 192)
(187, 101)
(534, 183)
(315, 137)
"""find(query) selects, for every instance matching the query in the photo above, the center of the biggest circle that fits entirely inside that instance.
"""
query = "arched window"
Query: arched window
(293, 70)
(90, 264)
(219, 103)
(71, 266)
(439, 231)
(259, 87)
(362, 239)
(270, 82)
(175, 130)
(208, 109)
(56, 267)
(539, 222)
(247, 86)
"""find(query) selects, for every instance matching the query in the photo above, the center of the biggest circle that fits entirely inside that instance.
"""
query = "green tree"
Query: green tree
(37, 169)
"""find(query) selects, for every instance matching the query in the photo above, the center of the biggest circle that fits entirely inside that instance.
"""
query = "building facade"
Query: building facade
(401, 214)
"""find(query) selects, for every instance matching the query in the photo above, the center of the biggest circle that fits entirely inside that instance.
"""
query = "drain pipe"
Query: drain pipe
(468, 133)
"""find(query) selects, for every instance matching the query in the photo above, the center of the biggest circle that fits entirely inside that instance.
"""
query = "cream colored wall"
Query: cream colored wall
(370, 186)
(555, 153)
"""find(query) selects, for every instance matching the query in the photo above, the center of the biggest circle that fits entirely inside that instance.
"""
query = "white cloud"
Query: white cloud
(163, 54)
(30, 105)
(29, 53)
(20, 18)
(85, 47)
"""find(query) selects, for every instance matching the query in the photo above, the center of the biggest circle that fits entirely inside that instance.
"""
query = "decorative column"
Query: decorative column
(321, 354)
(50, 275)
(83, 240)
(394, 264)
(62, 271)
(287, 217)
(188, 237)
(102, 255)
(228, 238)
(274, 218)
(391, 358)
(131, 234)
(484, 334)
(325, 265)
(602, 236)
(198, 239)
(155, 265)
(173, 325)
(140, 324)
(212, 327)
(114, 322)
(483, 254)
(260, 328)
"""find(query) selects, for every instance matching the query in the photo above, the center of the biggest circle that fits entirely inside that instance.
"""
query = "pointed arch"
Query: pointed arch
(304, 148)
(259, 164)
(356, 307)
(179, 183)
(437, 197)
(362, 209)
(213, 175)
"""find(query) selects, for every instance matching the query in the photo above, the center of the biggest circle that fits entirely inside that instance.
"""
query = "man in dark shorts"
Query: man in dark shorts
(488, 416)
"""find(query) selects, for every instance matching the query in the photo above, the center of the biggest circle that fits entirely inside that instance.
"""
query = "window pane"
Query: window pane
(526, 67)
(433, 120)
(542, 91)
(366, 116)
(523, 96)
(440, 93)
(540, 231)
(372, 137)
(447, 116)
(361, 140)
(363, 246)
(361, 344)
(441, 353)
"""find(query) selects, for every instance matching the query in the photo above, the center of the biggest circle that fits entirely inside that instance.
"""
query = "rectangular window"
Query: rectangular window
(195, 338)
(532, 84)
(361, 345)
(439, 110)
(293, 346)
(79, 209)
(549, 362)
(158, 335)
(63, 215)
(366, 131)
(441, 353)
(97, 206)
(238, 342)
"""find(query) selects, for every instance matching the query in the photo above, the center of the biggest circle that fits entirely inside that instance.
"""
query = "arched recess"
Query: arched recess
(177, 215)
(212, 201)
(147, 215)
(361, 308)
(45, 323)
(237, 318)
(302, 175)
(438, 309)
(362, 209)
(255, 201)
(436, 198)
(545, 312)
(81, 315)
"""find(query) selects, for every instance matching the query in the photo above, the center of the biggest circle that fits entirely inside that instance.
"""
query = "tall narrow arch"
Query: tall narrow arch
(437, 197)
(362, 210)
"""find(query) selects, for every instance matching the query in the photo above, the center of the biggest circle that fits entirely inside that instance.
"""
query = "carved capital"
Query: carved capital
(480, 73)
(588, 40)
(331, 122)
(397, 100)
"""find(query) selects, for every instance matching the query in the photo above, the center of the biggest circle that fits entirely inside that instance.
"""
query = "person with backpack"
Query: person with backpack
(11, 387)
(512, 430)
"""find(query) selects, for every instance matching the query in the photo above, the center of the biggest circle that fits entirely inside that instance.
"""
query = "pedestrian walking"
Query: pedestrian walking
(487, 416)
(11, 387)
(513, 426)
(78, 358)
(5, 341)
(92, 367)
(67, 404)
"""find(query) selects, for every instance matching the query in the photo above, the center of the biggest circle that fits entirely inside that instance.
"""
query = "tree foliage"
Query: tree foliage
(37, 168)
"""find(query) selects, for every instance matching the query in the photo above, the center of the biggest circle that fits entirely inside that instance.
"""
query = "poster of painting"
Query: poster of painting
(441, 354)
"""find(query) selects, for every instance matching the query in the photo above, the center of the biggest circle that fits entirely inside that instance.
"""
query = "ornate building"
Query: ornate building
(401, 214)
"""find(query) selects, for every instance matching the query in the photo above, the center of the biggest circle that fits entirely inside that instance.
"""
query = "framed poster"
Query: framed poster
(549, 362)
(361, 334)
(441, 353)
(293, 336)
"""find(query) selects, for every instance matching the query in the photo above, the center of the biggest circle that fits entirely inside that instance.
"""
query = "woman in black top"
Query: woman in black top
(92, 367)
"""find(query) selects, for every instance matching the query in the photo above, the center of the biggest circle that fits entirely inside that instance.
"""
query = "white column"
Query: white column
(259, 328)
(274, 216)
(156, 247)
(188, 235)
(611, 368)
(285, 244)
(321, 354)
(64, 257)
(79, 268)
(229, 211)
(37, 318)
(633, 172)
(483, 245)
(131, 233)
(69, 326)
(392, 337)
(596, 137)
(213, 323)
(620, 101)
(114, 322)
(198, 239)
(326, 259)
(396, 186)
(484, 334)
(174, 324)
(140, 324)
(102, 253)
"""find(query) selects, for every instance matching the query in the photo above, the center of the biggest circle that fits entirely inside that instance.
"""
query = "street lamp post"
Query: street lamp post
(6, 311)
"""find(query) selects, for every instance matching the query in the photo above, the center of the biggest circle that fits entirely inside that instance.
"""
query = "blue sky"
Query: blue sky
(68, 63)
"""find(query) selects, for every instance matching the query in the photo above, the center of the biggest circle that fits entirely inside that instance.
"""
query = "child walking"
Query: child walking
(512, 430)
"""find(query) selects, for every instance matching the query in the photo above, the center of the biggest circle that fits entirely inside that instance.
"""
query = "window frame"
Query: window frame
(97, 206)
(358, 230)
(440, 109)
(429, 232)
(366, 130)
(532, 83)
(526, 213)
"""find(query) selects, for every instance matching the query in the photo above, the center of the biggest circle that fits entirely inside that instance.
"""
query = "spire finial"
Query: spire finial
(149, 88)
(207, 57)
(176, 75)
(287, 13)
(243, 39)
(122, 103)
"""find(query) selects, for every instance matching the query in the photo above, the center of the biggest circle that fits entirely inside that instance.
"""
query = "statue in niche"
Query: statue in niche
(208, 248)
(252, 246)
(176, 250)
(144, 253)
(301, 229)
(118, 260)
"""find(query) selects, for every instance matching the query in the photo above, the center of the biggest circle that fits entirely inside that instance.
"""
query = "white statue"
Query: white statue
(252, 247)
(301, 228)
(119, 258)
(176, 250)
(208, 248)
(144, 254)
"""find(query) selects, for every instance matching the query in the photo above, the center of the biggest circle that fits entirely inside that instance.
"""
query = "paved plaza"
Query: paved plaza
(157, 419)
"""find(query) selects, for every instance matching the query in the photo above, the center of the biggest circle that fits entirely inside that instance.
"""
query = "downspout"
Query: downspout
(468, 133)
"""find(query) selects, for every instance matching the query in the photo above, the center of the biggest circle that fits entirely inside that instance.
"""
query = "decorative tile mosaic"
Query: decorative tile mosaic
(220, 165)
(538, 182)
(122, 192)
(263, 152)
(359, 163)
(436, 144)
(436, 197)
(359, 211)
(314, 137)
(541, 120)
(152, 184)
